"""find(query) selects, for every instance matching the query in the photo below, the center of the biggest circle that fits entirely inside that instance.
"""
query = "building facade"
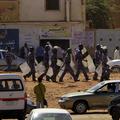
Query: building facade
(40, 21)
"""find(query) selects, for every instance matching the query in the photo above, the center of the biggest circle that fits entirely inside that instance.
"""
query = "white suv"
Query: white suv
(12, 96)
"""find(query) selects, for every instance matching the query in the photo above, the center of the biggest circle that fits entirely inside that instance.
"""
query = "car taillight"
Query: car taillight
(12, 99)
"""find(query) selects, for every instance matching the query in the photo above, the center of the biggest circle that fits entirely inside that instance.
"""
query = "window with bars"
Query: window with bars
(82, 2)
(52, 5)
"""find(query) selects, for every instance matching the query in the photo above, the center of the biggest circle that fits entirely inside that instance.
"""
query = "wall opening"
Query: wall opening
(63, 43)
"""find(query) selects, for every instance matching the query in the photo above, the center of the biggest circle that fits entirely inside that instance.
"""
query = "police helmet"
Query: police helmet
(104, 49)
(54, 50)
(31, 49)
(117, 47)
(98, 46)
(47, 47)
(69, 50)
(80, 47)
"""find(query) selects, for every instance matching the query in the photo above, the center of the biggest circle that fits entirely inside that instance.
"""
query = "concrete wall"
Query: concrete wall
(109, 38)
(76, 10)
(35, 11)
(32, 33)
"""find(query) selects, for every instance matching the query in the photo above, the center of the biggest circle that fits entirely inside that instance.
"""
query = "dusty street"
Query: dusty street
(92, 117)
(55, 90)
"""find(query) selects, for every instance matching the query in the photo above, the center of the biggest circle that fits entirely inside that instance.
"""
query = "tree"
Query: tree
(98, 12)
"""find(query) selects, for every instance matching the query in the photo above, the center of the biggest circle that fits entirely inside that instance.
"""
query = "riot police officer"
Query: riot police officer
(31, 63)
(97, 59)
(105, 67)
(46, 62)
(79, 58)
(54, 65)
(67, 66)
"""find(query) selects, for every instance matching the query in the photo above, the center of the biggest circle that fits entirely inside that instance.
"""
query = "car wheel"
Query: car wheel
(115, 113)
(115, 118)
(80, 107)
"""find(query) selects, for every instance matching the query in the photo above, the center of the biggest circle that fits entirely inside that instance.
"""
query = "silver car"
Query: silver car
(15, 63)
(97, 97)
(49, 114)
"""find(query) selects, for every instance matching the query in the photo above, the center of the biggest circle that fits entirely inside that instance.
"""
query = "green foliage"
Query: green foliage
(98, 12)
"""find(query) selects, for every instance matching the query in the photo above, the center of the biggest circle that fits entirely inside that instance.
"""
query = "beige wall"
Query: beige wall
(76, 10)
(35, 11)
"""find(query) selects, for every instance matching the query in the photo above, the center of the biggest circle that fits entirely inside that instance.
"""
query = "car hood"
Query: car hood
(75, 94)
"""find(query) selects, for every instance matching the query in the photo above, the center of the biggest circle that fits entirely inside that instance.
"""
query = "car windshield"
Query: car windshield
(52, 116)
(97, 86)
(11, 85)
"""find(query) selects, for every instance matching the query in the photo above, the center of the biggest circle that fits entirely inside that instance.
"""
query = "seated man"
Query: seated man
(111, 87)
(15, 85)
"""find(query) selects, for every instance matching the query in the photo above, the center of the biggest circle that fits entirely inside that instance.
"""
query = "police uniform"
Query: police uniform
(31, 63)
(105, 66)
(46, 62)
(98, 59)
(67, 66)
(80, 67)
(54, 65)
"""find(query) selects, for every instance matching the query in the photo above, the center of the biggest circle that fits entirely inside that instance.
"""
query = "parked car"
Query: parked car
(114, 108)
(15, 63)
(114, 64)
(49, 114)
(13, 102)
(97, 97)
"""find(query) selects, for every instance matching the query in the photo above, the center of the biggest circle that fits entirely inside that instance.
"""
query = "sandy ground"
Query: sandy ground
(55, 90)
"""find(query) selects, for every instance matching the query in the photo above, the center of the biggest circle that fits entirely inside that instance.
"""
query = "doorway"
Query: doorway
(63, 43)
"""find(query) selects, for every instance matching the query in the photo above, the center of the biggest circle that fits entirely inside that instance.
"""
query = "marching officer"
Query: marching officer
(54, 65)
(79, 58)
(46, 62)
(31, 63)
(67, 67)
(105, 66)
(98, 59)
